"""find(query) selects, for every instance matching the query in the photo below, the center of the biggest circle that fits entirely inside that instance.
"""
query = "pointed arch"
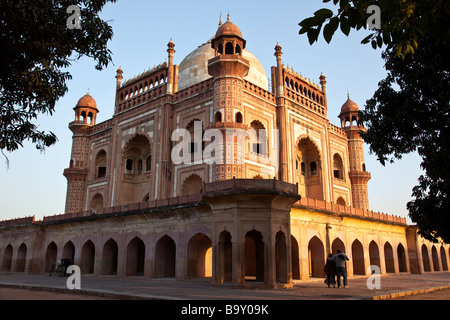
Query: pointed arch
(401, 256)
(87, 257)
(7, 258)
(389, 258)
(135, 261)
(21, 258)
(254, 256)
(165, 257)
(110, 257)
(199, 256)
(358, 258)
(316, 257)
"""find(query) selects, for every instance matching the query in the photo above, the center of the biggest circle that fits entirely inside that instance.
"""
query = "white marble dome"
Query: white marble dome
(194, 68)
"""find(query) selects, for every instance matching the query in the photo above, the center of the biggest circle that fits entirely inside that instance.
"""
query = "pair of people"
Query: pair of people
(335, 266)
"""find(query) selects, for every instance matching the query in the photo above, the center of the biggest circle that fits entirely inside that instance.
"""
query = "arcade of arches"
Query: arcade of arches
(226, 239)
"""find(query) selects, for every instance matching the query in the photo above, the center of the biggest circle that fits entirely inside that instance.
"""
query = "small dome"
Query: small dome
(194, 68)
(349, 106)
(87, 101)
(228, 29)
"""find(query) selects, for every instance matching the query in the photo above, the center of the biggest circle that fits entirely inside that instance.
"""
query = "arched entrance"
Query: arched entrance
(444, 259)
(21, 258)
(135, 257)
(7, 258)
(69, 252)
(165, 257)
(316, 257)
(254, 256)
(199, 263)
(109, 257)
(225, 258)
(389, 258)
(87, 257)
(401, 255)
(425, 259)
(295, 256)
(358, 258)
(374, 254)
(434, 256)
(50, 256)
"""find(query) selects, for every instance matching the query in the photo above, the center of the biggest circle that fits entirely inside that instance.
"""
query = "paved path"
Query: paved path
(169, 289)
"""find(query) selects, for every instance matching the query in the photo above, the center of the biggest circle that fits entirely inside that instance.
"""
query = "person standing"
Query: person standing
(340, 258)
(330, 271)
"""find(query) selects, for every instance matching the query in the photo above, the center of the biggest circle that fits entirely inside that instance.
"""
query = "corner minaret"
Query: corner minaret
(359, 177)
(85, 117)
(228, 69)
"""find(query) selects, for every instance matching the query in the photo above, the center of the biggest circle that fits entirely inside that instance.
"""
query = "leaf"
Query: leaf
(345, 26)
(330, 29)
(374, 44)
(323, 14)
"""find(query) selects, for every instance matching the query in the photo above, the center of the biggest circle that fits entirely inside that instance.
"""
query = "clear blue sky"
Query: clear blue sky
(34, 183)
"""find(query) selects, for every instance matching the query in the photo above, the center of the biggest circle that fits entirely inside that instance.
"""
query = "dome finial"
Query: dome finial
(348, 95)
(228, 17)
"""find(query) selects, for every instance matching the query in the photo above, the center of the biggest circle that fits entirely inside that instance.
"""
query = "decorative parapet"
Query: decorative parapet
(337, 130)
(258, 91)
(305, 101)
(193, 90)
(340, 209)
(18, 221)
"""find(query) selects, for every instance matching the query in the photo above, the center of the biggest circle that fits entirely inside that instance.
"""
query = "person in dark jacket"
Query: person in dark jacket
(330, 271)
(340, 259)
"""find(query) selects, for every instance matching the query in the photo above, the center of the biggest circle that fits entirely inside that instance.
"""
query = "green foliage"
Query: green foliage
(35, 47)
(404, 23)
(410, 111)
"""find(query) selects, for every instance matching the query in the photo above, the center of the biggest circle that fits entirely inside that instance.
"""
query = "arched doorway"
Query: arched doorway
(358, 258)
(109, 257)
(165, 257)
(309, 168)
(434, 256)
(389, 258)
(135, 264)
(21, 258)
(254, 256)
(295, 256)
(374, 254)
(87, 257)
(199, 263)
(401, 255)
(69, 252)
(425, 259)
(316, 257)
(7, 258)
(50, 256)
(444, 259)
(225, 258)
